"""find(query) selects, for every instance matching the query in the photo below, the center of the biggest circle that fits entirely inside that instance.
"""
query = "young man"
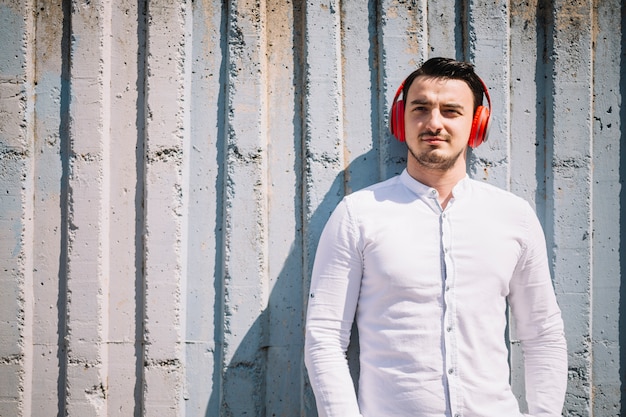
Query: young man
(427, 261)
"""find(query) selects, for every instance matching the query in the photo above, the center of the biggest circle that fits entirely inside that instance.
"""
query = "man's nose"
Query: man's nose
(434, 121)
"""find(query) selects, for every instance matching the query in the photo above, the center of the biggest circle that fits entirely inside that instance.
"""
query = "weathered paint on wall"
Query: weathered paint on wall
(166, 169)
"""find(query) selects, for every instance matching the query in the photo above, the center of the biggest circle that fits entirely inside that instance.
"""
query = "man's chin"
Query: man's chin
(436, 159)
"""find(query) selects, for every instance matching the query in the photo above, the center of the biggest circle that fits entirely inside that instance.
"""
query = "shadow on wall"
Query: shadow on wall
(266, 375)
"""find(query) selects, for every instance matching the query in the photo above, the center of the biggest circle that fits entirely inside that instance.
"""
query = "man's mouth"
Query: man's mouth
(433, 139)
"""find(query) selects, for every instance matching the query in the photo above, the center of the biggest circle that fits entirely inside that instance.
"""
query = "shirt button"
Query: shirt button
(450, 371)
(447, 288)
(449, 328)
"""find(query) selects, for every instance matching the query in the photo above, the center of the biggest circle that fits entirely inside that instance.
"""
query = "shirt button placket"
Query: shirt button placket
(450, 307)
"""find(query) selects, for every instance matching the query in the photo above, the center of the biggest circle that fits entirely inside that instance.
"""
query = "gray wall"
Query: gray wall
(166, 168)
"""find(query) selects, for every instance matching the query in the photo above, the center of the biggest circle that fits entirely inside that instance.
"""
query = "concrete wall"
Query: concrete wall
(166, 168)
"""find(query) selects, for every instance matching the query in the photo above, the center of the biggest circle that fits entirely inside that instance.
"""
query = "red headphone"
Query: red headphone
(480, 123)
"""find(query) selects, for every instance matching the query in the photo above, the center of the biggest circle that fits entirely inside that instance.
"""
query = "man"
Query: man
(428, 261)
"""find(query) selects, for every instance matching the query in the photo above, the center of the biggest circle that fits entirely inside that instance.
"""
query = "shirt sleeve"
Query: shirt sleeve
(539, 326)
(335, 285)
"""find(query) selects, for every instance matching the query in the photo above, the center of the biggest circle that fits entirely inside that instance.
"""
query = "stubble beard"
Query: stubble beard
(432, 159)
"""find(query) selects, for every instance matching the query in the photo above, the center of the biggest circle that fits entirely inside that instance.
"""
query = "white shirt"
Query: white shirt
(429, 288)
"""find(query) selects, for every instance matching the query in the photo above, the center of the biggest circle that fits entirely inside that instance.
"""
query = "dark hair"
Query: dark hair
(450, 69)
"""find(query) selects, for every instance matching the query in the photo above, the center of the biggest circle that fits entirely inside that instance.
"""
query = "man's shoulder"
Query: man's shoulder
(493, 190)
(495, 196)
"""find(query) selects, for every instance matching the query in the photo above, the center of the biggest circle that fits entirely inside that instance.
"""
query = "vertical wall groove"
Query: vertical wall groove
(139, 207)
(220, 212)
(300, 255)
(64, 152)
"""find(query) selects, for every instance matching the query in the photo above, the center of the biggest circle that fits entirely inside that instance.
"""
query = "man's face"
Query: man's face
(438, 119)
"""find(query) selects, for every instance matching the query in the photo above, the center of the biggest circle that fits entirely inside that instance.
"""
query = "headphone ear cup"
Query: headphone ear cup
(397, 120)
(480, 127)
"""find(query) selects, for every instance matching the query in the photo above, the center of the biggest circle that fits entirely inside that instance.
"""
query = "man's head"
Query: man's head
(445, 69)
(440, 114)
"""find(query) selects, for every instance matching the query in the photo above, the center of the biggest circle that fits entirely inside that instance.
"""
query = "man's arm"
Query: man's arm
(335, 284)
(539, 327)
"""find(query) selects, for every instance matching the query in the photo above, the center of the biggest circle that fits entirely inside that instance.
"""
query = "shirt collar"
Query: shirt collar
(422, 190)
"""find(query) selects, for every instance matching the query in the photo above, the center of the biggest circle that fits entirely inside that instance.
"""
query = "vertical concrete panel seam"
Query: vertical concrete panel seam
(140, 206)
(221, 212)
(65, 216)
(299, 74)
(380, 130)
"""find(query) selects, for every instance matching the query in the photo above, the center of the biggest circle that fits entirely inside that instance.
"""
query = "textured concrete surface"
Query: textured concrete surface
(166, 169)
